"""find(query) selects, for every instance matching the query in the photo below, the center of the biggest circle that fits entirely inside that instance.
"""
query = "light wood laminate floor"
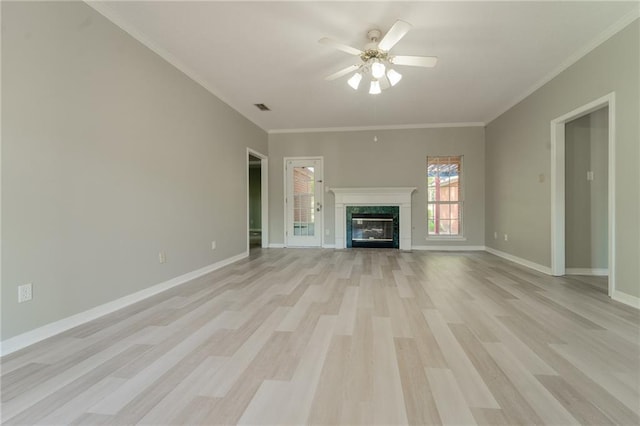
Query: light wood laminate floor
(344, 337)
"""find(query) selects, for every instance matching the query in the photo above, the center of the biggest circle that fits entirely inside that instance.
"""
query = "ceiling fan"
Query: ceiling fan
(376, 60)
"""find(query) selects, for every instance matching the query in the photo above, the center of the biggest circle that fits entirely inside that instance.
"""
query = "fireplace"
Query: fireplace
(347, 199)
(372, 226)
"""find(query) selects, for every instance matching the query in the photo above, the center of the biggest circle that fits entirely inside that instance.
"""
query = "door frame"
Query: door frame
(558, 185)
(264, 197)
(284, 198)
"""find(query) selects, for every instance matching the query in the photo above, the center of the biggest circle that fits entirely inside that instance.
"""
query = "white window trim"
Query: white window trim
(440, 237)
(446, 238)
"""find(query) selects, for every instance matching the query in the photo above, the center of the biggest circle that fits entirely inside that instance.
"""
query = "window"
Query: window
(444, 196)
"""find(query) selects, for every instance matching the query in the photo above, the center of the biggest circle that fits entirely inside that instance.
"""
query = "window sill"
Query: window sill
(445, 238)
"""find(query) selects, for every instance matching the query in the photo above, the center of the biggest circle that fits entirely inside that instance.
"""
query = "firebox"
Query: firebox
(372, 226)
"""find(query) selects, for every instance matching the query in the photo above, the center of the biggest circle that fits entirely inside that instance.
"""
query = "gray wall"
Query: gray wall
(398, 158)
(586, 201)
(518, 150)
(109, 155)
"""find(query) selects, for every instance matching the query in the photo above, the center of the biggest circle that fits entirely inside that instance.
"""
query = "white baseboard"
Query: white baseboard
(520, 261)
(602, 272)
(329, 246)
(276, 245)
(30, 337)
(627, 299)
(448, 248)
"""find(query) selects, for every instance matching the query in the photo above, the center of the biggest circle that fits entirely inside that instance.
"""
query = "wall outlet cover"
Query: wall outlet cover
(25, 293)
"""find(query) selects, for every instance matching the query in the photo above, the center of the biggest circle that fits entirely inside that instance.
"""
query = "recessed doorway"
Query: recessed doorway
(573, 184)
(257, 205)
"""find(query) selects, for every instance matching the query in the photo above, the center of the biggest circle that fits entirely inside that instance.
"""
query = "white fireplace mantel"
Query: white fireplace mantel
(373, 197)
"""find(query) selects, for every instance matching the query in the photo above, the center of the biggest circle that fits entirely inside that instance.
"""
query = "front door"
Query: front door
(303, 202)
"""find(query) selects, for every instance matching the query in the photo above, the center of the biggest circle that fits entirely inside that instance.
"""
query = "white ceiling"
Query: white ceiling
(491, 54)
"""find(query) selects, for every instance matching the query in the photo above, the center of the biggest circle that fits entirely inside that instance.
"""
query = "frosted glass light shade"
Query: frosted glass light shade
(394, 76)
(375, 87)
(377, 69)
(354, 81)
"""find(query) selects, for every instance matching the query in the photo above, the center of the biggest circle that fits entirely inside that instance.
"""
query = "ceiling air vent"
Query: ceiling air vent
(262, 107)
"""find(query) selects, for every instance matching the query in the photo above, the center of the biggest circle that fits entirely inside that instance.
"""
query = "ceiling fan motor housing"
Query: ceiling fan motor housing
(374, 35)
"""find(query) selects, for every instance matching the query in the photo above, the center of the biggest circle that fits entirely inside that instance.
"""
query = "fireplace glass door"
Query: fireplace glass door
(372, 230)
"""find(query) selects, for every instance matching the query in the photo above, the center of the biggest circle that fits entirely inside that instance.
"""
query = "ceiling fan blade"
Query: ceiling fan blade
(336, 45)
(394, 35)
(415, 61)
(342, 72)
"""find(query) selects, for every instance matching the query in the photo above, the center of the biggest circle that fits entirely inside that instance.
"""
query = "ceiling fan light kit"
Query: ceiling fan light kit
(377, 69)
(374, 89)
(394, 76)
(376, 59)
(354, 81)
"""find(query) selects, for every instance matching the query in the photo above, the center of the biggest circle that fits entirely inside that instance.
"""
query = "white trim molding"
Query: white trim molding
(596, 272)
(520, 261)
(627, 299)
(276, 245)
(373, 197)
(388, 127)
(449, 248)
(558, 185)
(30, 337)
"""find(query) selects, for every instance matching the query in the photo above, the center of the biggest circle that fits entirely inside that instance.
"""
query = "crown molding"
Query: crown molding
(389, 127)
(618, 26)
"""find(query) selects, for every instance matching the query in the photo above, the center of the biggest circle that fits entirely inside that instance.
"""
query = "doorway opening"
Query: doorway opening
(582, 191)
(586, 196)
(257, 205)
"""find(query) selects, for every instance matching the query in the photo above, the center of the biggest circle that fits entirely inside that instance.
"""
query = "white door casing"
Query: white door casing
(558, 186)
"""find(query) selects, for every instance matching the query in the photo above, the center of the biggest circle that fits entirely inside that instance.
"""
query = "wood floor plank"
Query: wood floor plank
(356, 336)
(290, 402)
(347, 315)
(388, 398)
(544, 404)
(186, 391)
(41, 408)
(576, 404)
(233, 368)
(514, 406)
(327, 402)
(418, 396)
(473, 386)
(490, 417)
(449, 399)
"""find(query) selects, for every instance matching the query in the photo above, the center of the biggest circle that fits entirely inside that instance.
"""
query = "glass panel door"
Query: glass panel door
(304, 202)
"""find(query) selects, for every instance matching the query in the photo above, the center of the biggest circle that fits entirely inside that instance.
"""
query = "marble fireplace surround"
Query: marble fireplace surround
(373, 197)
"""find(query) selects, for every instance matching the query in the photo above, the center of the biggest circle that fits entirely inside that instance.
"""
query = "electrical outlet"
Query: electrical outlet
(213, 245)
(25, 292)
(506, 237)
(162, 257)
(495, 235)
